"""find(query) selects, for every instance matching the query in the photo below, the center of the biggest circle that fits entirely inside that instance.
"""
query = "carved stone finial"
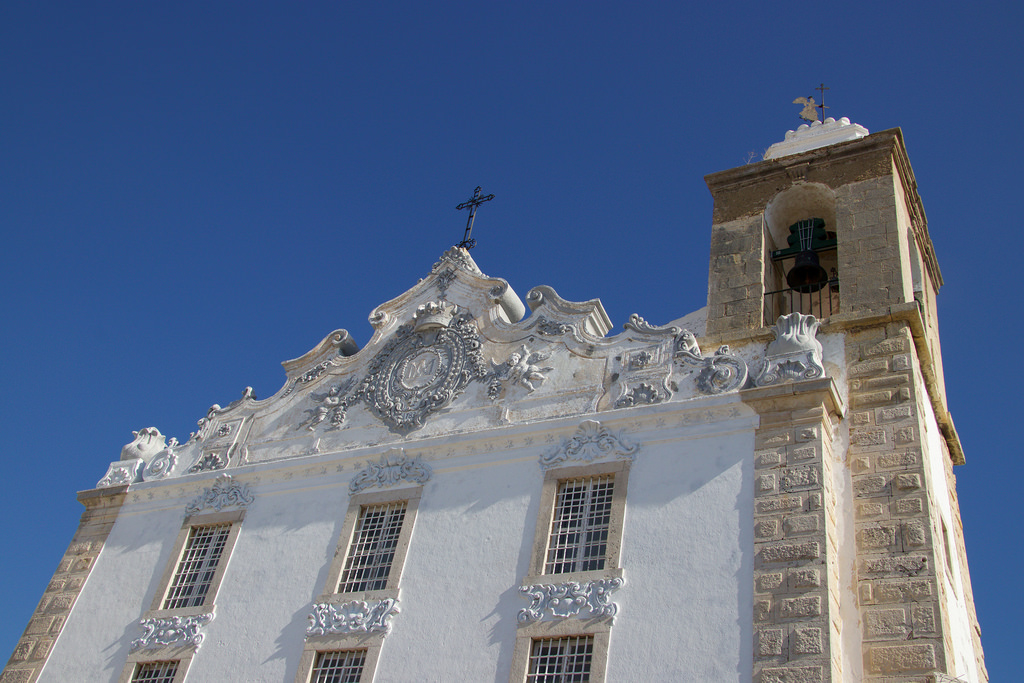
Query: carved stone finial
(592, 441)
(795, 354)
(147, 443)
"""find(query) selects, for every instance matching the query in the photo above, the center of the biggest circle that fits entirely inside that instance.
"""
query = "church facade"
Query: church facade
(759, 491)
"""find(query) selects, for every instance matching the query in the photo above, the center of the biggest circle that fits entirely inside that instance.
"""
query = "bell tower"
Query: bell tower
(830, 224)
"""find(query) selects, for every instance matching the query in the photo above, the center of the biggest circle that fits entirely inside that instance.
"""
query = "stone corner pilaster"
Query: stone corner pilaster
(34, 647)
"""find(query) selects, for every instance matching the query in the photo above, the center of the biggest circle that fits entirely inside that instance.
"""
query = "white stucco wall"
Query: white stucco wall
(684, 613)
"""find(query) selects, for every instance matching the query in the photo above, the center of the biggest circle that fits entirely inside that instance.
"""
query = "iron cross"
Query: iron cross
(476, 200)
(821, 88)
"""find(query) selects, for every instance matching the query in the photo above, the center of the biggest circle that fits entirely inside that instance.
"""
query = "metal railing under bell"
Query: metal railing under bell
(820, 304)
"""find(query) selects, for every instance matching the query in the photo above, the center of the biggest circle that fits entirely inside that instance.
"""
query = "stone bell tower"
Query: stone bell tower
(861, 573)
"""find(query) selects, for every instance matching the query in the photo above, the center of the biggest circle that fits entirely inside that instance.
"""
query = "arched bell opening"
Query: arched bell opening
(802, 271)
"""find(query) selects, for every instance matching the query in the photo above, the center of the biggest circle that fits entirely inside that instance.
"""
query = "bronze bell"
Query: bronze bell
(807, 275)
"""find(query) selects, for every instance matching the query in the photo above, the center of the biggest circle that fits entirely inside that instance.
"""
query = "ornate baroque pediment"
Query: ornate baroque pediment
(592, 441)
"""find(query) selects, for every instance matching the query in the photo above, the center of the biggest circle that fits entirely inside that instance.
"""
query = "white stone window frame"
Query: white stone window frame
(598, 629)
(234, 518)
(411, 496)
(181, 655)
(370, 642)
(553, 479)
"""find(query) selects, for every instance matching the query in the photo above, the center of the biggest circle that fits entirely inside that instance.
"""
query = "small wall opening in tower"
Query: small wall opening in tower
(801, 273)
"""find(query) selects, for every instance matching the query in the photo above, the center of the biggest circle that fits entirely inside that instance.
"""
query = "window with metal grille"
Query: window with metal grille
(198, 564)
(343, 666)
(155, 672)
(560, 660)
(579, 528)
(373, 548)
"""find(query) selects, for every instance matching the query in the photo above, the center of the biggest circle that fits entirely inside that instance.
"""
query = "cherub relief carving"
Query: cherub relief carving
(521, 368)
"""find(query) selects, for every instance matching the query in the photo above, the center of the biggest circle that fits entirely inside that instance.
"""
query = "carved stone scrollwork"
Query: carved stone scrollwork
(393, 468)
(641, 394)
(420, 370)
(686, 346)
(459, 257)
(719, 373)
(592, 441)
(551, 328)
(352, 617)
(210, 461)
(569, 600)
(795, 354)
(121, 472)
(638, 324)
(171, 631)
(722, 372)
(162, 464)
(225, 492)
(418, 373)
(444, 280)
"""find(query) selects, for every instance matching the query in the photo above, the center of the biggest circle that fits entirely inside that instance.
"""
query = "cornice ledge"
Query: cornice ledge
(808, 388)
(741, 175)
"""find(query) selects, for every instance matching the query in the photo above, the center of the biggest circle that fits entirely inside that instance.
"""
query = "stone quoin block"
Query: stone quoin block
(792, 608)
(886, 348)
(870, 485)
(886, 623)
(801, 524)
(799, 477)
(894, 460)
(902, 658)
(868, 437)
(804, 578)
(791, 552)
(880, 536)
(769, 642)
(894, 413)
(909, 506)
(907, 482)
(806, 641)
(804, 674)
(768, 582)
(780, 504)
(905, 435)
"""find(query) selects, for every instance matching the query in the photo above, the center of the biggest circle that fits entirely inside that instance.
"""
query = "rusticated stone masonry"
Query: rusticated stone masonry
(101, 507)
(896, 565)
(796, 576)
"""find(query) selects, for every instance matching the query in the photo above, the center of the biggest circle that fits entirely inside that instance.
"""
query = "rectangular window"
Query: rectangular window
(372, 550)
(342, 666)
(561, 660)
(198, 564)
(155, 672)
(579, 528)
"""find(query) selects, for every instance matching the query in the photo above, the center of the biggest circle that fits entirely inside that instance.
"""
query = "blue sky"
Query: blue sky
(192, 192)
